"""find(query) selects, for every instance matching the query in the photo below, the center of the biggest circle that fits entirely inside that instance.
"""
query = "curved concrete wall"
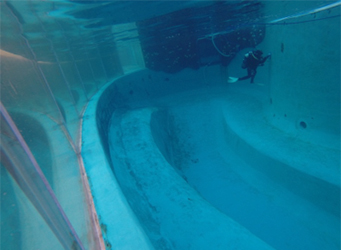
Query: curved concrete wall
(109, 172)
(121, 201)
(143, 88)
(120, 226)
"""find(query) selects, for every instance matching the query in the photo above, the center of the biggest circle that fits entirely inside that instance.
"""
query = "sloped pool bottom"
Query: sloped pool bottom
(188, 132)
(172, 214)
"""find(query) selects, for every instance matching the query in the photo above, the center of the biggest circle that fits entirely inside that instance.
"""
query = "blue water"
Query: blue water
(86, 37)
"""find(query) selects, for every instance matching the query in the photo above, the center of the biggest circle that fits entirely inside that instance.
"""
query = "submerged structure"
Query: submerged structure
(120, 130)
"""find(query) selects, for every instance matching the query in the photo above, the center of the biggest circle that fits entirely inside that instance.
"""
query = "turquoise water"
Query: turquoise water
(255, 165)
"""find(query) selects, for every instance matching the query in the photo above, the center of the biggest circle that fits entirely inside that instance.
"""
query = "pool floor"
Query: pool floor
(193, 142)
(279, 217)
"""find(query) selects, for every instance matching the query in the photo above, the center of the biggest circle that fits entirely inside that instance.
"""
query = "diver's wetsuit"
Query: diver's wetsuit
(251, 61)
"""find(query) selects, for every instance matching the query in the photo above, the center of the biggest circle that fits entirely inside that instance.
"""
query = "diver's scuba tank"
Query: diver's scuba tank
(246, 56)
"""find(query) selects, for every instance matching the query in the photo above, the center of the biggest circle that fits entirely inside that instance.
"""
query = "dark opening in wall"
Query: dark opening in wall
(181, 39)
(303, 124)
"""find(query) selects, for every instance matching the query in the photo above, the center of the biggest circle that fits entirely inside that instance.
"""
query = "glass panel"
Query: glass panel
(48, 73)
(21, 165)
(22, 227)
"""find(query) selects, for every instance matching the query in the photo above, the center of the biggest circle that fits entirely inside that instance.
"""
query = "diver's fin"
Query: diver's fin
(232, 79)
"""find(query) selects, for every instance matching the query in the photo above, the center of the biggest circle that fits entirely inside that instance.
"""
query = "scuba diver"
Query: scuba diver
(251, 61)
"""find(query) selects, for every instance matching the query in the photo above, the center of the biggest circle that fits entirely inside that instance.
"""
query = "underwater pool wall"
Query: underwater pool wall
(119, 224)
(304, 93)
(301, 85)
